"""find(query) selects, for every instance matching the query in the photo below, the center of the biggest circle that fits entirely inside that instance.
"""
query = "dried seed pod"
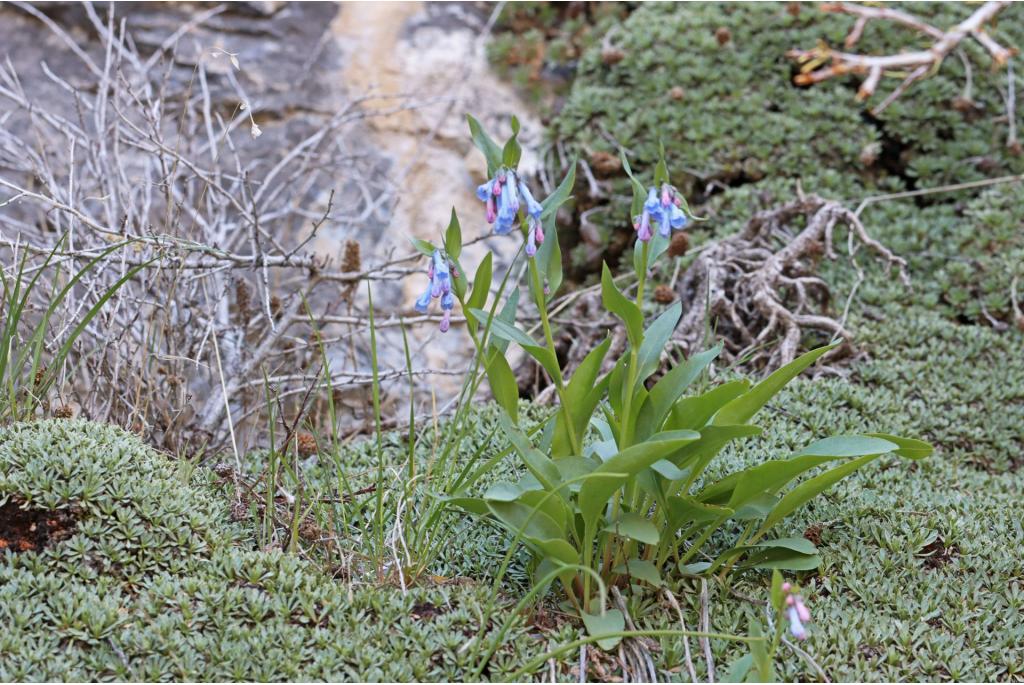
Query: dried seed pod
(306, 444)
(605, 163)
(612, 56)
(352, 260)
(679, 244)
(664, 294)
(243, 301)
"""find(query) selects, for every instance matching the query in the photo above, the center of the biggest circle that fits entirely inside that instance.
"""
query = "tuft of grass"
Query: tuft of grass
(31, 359)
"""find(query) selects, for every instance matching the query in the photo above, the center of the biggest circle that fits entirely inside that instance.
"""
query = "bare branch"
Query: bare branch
(919, 62)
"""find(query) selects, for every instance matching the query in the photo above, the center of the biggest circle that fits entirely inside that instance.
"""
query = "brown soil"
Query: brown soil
(34, 529)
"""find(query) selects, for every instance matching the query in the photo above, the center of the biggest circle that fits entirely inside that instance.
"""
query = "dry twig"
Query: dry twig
(919, 62)
(752, 292)
(154, 164)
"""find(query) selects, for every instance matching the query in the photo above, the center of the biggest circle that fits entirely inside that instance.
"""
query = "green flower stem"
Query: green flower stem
(642, 276)
(427, 531)
(703, 538)
(538, 289)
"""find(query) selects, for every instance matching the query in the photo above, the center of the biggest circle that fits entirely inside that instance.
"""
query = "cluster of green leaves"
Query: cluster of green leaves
(619, 508)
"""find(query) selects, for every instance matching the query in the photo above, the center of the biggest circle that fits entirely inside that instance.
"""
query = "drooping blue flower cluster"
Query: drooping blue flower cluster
(440, 286)
(796, 612)
(504, 195)
(665, 210)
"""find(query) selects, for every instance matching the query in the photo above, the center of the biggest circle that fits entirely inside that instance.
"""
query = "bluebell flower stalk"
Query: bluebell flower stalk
(504, 195)
(534, 235)
(440, 273)
(797, 613)
(663, 207)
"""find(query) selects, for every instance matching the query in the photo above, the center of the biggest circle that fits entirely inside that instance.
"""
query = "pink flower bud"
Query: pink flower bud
(803, 612)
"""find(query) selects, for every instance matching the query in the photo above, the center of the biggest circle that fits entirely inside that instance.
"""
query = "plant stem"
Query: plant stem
(538, 290)
(642, 276)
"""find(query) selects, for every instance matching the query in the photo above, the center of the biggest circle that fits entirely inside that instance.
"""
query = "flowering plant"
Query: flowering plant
(617, 488)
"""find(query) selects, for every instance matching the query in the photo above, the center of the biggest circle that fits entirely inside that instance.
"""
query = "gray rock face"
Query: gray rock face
(406, 73)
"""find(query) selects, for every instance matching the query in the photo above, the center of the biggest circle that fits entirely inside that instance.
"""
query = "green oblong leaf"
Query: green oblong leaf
(655, 338)
(503, 384)
(612, 621)
(529, 521)
(562, 194)
(423, 246)
(453, 237)
(803, 493)
(481, 289)
(511, 333)
(486, 145)
(635, 527)
(741, 409)
(908, 447)
(693, 413)
(641, 569)
(669, 389)
(616, 302)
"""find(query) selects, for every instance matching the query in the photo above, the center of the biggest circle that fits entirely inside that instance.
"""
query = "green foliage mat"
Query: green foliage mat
(920, 580)
(145, 578)
(739, 118)
(738, 135)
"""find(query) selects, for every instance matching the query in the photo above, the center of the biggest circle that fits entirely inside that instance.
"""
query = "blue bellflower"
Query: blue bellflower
(664, 210)
(439, 286)
(504, 195)
(796, 612)
(533, 208)
(534, 235)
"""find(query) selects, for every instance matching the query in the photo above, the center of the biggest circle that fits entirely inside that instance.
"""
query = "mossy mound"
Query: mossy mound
(964, 256)
(713, 83)
(919, 576)
(132, 514)
(149, 580)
